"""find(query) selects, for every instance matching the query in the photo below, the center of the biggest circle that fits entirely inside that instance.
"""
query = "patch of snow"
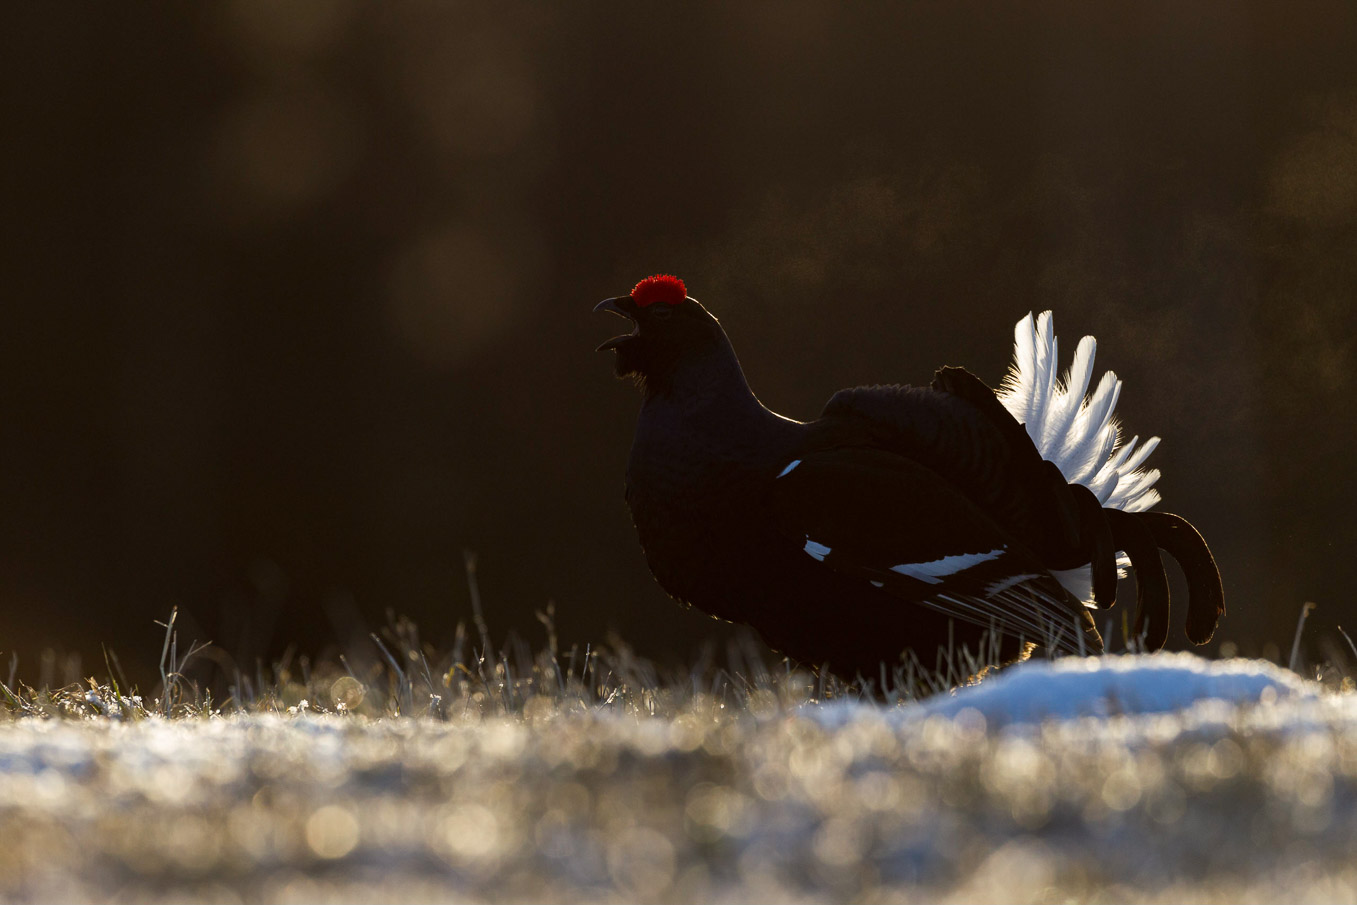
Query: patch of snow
(1080, 687)
(1076, 687)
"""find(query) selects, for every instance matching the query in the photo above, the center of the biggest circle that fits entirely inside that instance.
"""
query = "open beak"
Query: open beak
(619, 307)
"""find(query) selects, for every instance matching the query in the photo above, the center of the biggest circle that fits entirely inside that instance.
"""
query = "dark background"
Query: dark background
(296, 295)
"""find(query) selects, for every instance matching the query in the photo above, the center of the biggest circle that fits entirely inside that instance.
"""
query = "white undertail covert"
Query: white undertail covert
(1075, 430)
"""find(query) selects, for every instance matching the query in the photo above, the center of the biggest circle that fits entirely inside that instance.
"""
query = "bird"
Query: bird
(905, 521)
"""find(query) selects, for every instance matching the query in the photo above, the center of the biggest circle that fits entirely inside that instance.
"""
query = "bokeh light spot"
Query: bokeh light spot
(331, 832)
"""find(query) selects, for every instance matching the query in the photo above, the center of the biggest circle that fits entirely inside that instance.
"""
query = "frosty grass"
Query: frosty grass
(1139, 778)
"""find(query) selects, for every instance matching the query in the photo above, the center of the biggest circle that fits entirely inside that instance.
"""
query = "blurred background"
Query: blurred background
(295, 299)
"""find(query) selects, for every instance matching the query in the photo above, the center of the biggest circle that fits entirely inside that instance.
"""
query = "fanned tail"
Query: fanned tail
(1076, 431)
(1070, 428)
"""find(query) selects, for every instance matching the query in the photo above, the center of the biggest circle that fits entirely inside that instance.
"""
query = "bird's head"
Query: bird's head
(671, 330)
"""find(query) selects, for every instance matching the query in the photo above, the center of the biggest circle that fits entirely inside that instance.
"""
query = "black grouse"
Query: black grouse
(903, 519)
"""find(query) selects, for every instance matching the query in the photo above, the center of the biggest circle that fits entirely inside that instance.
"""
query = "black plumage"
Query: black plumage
(902, 519)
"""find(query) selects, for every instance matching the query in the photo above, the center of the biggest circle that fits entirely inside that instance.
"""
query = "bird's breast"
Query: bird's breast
(701, 520)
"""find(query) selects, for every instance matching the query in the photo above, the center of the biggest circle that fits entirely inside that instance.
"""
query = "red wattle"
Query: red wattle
(660, 288)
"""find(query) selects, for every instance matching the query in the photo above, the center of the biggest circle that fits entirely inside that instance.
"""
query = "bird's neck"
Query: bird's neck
(706, 413)
(710, 387)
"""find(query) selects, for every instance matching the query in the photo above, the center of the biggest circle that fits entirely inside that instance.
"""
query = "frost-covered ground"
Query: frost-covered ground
(1163, 778)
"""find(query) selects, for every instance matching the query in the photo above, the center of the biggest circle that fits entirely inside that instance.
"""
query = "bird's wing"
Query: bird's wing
(959, 429)
(884, 519)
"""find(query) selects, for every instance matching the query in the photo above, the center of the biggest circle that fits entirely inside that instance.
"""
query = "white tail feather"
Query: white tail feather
(1135, 461)
(1070, 428)
(1066, 407)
